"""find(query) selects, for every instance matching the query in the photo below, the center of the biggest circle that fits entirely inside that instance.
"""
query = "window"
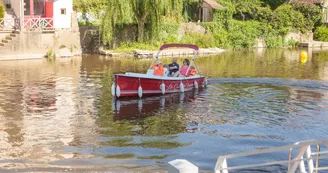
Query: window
(63, 11)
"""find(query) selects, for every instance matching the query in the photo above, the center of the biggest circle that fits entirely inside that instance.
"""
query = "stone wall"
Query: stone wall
(62, 43)
(90, 39)
(299, 37)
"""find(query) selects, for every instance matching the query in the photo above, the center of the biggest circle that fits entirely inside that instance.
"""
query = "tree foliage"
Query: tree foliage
(286, 19)
(87, 6)
(147, 14)
(273, 3)
(321, 33)
(241, 10)
(2, 10)
(312, 14)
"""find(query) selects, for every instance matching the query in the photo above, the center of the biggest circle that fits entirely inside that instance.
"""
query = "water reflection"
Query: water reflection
(60, 113)
(134, 108)
(124, 121)
(39, 108)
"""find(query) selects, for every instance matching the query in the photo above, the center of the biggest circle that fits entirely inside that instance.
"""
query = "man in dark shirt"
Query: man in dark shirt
(174, 67)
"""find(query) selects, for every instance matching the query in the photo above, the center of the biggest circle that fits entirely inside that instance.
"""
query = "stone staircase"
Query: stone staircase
(11, 36)
(8, 30)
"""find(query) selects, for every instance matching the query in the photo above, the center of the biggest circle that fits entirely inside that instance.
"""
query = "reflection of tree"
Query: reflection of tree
(321, 63)
(277, 63)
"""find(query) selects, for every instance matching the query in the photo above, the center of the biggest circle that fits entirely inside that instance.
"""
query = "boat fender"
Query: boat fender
(162, 87)
(140, 91)
(181, 87)
(196, 84)
(118, 91)
(113, 90)
(205, 82)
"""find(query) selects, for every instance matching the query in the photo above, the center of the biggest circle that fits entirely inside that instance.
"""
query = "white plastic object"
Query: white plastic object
(140, 91)
(162, 87)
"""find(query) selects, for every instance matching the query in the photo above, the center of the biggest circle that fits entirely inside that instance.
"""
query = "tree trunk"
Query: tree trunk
(141, 24)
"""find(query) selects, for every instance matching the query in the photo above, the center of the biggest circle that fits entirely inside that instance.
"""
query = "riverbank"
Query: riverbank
(180, 52)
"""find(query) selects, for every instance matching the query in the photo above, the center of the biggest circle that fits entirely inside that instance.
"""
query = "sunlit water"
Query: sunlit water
(55, 116)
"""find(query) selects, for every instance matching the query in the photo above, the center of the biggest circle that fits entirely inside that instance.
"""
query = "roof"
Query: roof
(306, 1)
(213, 4)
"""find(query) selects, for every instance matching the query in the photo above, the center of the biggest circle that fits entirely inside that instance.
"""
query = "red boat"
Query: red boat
(137, 84)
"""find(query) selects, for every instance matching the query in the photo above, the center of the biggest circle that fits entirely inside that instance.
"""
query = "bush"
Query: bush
(312, 14)
(206, 40)
(286, 19)
(274, 41)
(263, 14)
(321, 33)
(243, 34)
(2, 10)
(169, 33)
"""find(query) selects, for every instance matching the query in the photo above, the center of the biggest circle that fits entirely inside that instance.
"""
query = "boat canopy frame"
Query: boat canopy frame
(166, 46)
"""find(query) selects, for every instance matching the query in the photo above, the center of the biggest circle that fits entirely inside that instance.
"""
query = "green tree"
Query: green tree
(246, 8)
(140, 12)
(86, 6)
(312, 14)
(273, 3)
(286, 19)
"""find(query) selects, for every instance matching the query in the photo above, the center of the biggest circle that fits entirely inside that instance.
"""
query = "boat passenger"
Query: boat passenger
(183, 69)
(192, 71)
(173, 67)
(158, 69)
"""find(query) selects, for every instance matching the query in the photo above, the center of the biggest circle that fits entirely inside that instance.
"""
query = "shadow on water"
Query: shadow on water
(135, 108)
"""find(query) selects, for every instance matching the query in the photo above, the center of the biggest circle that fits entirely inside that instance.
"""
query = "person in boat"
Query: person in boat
(158, 69)
(173, 67)
(183, 69)
(192, 71)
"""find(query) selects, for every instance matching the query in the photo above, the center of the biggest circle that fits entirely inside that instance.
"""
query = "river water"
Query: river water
(55, 115)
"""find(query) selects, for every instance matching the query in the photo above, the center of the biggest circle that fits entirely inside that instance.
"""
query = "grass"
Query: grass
(120, 156)
(127, 142)
(162, 144)
(153, 157)
(131, 47)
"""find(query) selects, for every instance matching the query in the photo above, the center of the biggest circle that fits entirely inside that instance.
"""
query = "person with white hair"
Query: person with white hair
(158, 69)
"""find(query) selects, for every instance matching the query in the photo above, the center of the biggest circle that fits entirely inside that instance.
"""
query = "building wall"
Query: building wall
(15, 5)
(63, 20)
(209, 16)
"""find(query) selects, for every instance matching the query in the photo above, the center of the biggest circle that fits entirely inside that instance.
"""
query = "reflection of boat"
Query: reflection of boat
(130, 108)
(137, 84)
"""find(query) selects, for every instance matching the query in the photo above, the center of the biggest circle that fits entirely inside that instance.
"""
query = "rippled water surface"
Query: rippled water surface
(57, 116)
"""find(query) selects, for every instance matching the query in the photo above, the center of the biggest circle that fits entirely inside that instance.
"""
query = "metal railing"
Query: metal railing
(304, 154)
(41, 23)
(9, 23)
